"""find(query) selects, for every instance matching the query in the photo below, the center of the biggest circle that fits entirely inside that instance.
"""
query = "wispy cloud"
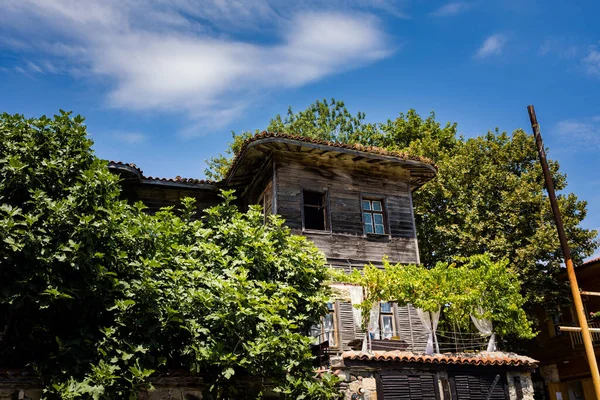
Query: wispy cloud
(186, 55)
(492, 46)
(560, 47)
(591, 61)
(582, 134)
(451, 9)
(129, 137)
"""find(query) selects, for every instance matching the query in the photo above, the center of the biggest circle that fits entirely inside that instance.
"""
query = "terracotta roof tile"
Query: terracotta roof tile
(589, 262)
(177, 179)
(481, 358)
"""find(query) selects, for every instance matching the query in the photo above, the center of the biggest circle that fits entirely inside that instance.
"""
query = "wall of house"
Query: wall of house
(362, 380)
(155, 196)
(345, 182)
(562, 354)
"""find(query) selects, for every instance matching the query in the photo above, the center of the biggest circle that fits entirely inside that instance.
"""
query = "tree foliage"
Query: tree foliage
(98, 296)
(488, 196)
(474, 286)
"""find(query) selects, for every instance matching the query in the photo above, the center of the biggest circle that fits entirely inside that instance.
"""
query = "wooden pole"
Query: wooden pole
(585, 331)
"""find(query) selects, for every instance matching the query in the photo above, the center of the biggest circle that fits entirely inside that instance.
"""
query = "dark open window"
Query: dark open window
(315, 210)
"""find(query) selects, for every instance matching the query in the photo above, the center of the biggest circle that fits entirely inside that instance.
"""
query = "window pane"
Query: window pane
(328, 332)
(366, 205)
(379, 229)
(368, 228)
(376, 205)
(386, 327)
(330, 306)
(368, 218)
(386, 307)
(315, 334)
(378, 219)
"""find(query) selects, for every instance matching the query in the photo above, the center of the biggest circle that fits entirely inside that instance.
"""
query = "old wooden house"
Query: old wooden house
(355, 204)
(563, 362)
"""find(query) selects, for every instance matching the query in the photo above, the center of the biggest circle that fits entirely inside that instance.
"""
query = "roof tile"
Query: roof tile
(481, 358)
(177, 179)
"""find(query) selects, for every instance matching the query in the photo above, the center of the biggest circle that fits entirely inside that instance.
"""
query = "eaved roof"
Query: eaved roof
(254, 148)
(476, 359)
(130, 171)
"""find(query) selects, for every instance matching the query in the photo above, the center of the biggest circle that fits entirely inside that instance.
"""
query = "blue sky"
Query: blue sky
(163, 83)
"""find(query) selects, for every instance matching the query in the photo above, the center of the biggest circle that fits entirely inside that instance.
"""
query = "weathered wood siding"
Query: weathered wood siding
(252, 193)
(345, 183)
(156, 196)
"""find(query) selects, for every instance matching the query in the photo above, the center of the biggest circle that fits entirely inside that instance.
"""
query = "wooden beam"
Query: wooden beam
(586, 293)
(577, 329)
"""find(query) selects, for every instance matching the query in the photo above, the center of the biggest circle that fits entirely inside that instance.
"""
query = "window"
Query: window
(329, 325)
(326, 331)
(373, 216)
(315, 211)
(386, 320)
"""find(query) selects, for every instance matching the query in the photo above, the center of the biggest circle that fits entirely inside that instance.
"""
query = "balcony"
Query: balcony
(577, 337)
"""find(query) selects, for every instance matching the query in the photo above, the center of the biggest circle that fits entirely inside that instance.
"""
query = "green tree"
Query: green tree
(488, 196)
(98, 296)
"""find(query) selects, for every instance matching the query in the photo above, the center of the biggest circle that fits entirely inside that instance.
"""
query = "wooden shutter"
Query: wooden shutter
(397, 385)
(346, 323)
(411, 330)
(480, 386)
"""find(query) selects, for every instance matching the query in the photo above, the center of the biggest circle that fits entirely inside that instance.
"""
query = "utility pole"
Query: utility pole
(585, 331)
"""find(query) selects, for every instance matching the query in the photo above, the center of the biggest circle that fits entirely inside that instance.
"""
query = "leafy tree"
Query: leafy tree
(488, 196)
(98, 296)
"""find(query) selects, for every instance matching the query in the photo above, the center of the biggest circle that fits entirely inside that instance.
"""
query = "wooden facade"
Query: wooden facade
(280, 173)
(563, 362)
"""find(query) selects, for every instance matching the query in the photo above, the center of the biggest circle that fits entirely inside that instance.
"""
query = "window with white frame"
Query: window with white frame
(327, 329)
(328, 325)
(386, 320)
(373, 216)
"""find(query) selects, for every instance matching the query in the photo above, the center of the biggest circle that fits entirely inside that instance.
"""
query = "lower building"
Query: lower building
(564, 365)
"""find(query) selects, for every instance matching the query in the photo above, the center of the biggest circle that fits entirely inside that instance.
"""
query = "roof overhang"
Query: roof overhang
(257, 149)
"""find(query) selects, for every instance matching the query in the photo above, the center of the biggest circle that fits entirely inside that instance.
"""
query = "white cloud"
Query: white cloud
(33, 67)
(187, 55)
(129, 137)
(451, 9)
(591, 61)
(492, 46)
(582, 134)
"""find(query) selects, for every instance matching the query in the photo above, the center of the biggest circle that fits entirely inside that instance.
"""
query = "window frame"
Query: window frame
(327, 216)
(334, 333)
(392, 315)
(384, 214)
